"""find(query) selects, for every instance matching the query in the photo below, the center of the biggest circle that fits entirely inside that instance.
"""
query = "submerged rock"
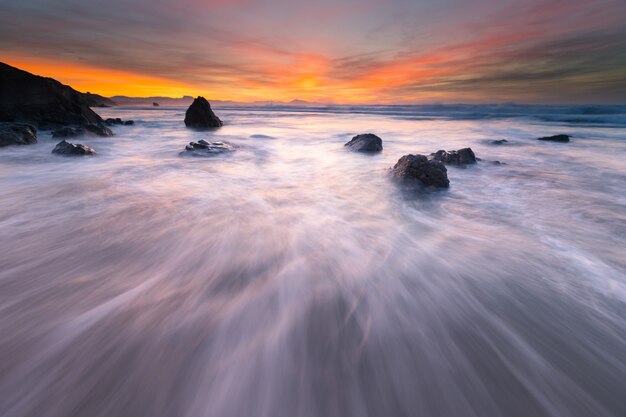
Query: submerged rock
(365, 143)
(200, 115)
(204, 148)
(129, 122)
(461, 157)
(17, 134)
(499, 142)
(42, 102)
(67, 148)
(68, 132)
(419, 167)
(556, 138)
(98, 129)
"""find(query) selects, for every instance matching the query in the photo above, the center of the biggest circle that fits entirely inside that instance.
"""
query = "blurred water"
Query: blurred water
(294, 278)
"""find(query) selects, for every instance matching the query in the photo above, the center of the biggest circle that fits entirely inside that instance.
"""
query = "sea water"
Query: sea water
(292, 277)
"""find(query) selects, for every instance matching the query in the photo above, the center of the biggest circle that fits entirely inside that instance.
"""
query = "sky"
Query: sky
(330, 51)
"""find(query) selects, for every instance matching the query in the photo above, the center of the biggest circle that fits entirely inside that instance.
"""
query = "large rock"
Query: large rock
(556, 138)
(367, 142)
(419, 167)
(67, 148)
(204, 148)
(461, 157)
(17, 134)
(42, 102)
(200, 115)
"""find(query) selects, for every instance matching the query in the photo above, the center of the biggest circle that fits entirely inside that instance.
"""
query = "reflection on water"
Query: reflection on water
(293, 278)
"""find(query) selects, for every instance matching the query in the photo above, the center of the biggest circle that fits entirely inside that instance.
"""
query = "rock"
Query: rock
(42, 102)
(117, 121)
(365, 143)
(204, 148)
(68, 132)
(67, 148)
(556, 138)
(461, 157)
(17, 134)
(499, 142)
(200, 115)
(155, 104)
(98, 129)
(419, 167)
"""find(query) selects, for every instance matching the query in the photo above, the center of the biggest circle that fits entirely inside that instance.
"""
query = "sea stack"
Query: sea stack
(200, 115)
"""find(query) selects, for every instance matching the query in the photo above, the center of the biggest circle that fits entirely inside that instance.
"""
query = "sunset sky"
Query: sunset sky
(367, 51)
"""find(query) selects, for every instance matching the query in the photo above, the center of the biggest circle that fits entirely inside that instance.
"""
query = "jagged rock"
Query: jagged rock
(17, 134)
(461, 157)
(98, 129)
(67, 148)
(204, 148)
(200, 115)
(365, 143)
(43, 102)
(419, 167)
(556, 138)
(499, 142)
(68, 132)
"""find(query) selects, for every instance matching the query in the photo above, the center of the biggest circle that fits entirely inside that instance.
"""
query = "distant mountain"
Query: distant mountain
(148, 101)
(41, 101)
(96, 100)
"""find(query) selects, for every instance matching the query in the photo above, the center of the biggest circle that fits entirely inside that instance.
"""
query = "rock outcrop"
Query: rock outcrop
(204, 148)
(419, 167)
(556, 138)
(67, 148)
(42, 102)
(461, 157)
(367, 142)
(200, 115)
(17, 134)
(98, 129)
(96, 100)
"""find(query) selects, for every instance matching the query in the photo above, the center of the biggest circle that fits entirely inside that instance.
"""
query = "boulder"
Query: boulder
(43, 102)
(556, 138)
(67, 148)
(365, 143)
(461, 157)
(499, 142)
(419, 167)
(200, 115)
(68, 132)
(17, 134)
(117, 121)
(204, 148)
(98, 129)
(129, 122)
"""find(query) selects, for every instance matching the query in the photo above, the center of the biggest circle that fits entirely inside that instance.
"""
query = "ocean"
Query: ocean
(292, 277)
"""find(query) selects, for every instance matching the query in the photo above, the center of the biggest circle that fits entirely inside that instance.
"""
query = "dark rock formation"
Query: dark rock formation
(200, 115)
(204, 148)
(98, 129)
(66, 148)
(155, 104)
(17, 134)
(42, 102)
(117, 121)
(499, 142)
(68, 132)
(418, 167)
(365, 143)
(96, 100)
(461, 157)
(556, 138)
